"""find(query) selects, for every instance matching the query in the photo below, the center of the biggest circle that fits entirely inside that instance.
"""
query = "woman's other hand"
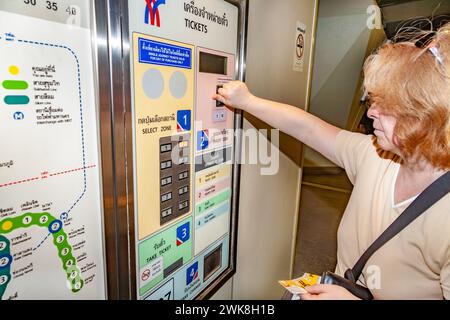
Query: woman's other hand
(235, 94)
(327, 292)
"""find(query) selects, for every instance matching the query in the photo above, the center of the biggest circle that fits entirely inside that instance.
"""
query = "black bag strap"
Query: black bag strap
(437, 190)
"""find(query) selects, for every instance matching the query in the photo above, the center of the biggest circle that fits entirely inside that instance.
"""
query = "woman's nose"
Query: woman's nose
(372, 113)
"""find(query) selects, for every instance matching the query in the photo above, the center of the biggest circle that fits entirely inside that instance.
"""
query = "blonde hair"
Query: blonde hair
(413, 84)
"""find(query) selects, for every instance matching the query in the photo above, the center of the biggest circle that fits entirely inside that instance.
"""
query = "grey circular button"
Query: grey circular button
(178, 84)
(153, 83)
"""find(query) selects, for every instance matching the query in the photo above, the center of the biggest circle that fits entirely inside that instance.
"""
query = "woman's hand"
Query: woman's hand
(235, 94)
(327, 292)
(307, 128)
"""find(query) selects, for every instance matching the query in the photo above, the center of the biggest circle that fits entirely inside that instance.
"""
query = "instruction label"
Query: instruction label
(164, 54)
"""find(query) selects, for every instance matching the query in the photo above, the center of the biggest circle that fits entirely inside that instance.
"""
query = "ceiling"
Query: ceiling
(385, 3)
(400, 13)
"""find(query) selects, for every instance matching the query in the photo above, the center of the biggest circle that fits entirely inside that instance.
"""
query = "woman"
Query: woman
(409, 91)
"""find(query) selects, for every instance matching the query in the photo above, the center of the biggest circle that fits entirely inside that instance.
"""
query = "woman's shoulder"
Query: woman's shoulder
(366, 145)
(346, 136)
(435, 226)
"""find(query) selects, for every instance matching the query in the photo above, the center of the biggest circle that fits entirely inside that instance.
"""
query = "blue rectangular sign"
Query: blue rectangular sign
(183, 233)
(163, 54)
(183, 120)
(192, 273)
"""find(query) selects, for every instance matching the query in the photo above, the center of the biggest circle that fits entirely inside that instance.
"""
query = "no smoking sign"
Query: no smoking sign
(300, 46)
(300, 34)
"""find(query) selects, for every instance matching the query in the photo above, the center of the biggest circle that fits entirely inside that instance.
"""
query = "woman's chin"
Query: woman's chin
(386, 146)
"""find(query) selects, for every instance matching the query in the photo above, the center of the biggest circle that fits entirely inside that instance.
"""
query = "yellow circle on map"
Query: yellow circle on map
(7, 225)
(13, 70)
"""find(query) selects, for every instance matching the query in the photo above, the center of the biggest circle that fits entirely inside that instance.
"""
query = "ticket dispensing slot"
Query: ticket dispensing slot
(212, 262)
(173, 267)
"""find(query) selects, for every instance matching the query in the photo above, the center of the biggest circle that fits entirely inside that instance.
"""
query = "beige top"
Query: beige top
(415, 264)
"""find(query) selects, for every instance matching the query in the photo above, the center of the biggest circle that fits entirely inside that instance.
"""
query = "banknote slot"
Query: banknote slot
(212, 262)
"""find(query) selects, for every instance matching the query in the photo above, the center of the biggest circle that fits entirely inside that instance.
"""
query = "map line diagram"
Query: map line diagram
(81, 110)
(52, 225)
(60, 240)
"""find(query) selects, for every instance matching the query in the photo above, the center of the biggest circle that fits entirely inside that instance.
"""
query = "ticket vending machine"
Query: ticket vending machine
(117, 176)
(180, 53)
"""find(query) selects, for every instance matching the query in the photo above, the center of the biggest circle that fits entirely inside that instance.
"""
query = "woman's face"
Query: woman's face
(384, 125)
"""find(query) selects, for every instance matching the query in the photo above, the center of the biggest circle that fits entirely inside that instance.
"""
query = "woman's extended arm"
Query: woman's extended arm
(295, 122)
